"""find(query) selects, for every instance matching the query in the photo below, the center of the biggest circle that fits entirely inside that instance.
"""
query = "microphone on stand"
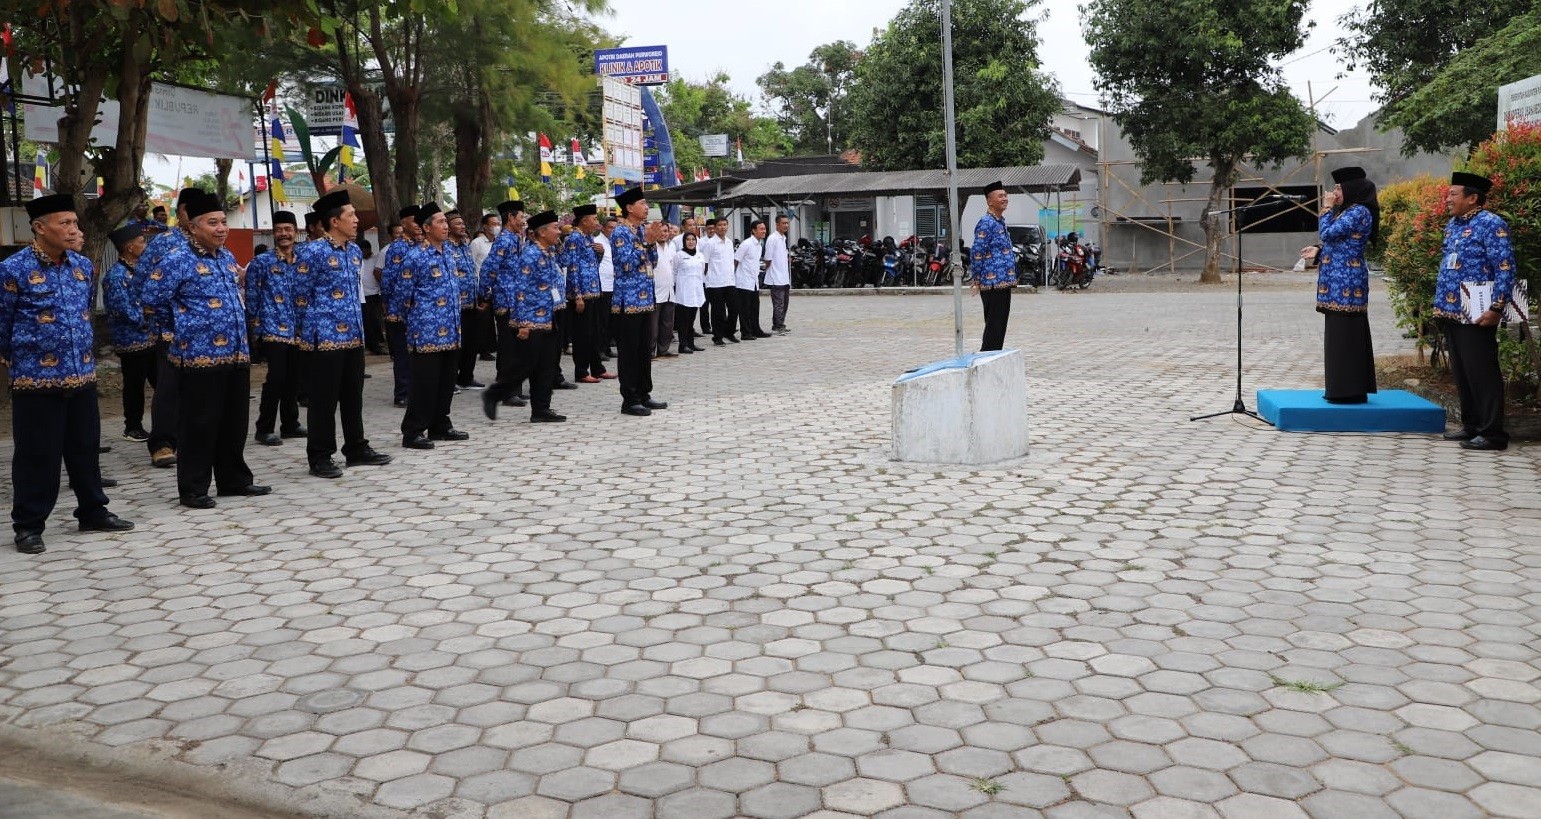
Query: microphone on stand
(1293, 197)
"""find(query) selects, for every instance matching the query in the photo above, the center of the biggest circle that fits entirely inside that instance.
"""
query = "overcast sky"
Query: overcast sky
(745, 45)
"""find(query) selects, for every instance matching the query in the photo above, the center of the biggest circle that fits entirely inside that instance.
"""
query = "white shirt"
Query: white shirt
(719, 261)
(481, 248)
(367, 286)
(776, 251)
(747, 275)
(663, 274)
(606, 265)
(690, 279)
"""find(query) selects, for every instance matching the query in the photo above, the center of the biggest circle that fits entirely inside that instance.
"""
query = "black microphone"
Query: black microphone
(1293, 197)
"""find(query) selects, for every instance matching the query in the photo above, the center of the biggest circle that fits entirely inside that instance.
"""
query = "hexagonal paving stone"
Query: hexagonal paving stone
(863, 797)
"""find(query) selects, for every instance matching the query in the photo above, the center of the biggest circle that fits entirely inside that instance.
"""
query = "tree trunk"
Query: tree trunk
(402, 90)
(119, 165)
(371, 120)
(1215, 226)
(222, 179)
(473, 160)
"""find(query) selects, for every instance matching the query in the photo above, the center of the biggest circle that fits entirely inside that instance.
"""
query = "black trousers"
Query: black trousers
(1478, 379)
(213, 409)
(50, 429)
(724, 311)
(780, 293)
(1349, 358)
(470, 346)
(561, 327)
(685, 325)
(139, 368)
(634, 355)
(997, 308)
(433, 390)
(487, 339)
(536, 359)
(281, 390)
(507, 353)
(586, 349)
(748, 312)
(401, 371)
(336, 386)
(706, 316)
(663, 330)
(374, 318)
(163, 404)
(604, 323)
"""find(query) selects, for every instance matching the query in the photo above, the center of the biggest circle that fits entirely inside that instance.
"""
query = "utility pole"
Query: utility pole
(953, 216)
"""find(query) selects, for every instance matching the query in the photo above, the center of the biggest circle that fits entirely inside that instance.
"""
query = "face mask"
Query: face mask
(496, 229)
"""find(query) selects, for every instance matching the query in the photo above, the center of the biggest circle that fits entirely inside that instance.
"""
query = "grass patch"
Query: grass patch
(1305, 686)
(988, 787)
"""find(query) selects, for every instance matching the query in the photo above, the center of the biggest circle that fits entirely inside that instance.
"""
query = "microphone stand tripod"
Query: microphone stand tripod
(1240, 407)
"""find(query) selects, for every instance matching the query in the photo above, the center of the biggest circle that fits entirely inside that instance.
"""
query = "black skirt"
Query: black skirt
(1350, 358)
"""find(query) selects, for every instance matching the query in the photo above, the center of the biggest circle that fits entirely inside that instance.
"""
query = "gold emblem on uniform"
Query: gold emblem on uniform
(342, 327)
(36, 277)
(332, 260)
(80, 275)
(203, 269)
(221, 341)
(86, 358)
(337, 294)
(49, 360)
(45, 317)
(443, 331)
(215, 303)
(441, 302)
(278, 299)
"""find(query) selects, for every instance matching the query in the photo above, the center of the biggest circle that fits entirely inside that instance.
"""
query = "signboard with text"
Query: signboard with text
(1519, 102)
(182, 122)
(714, 144)
(323, 108)
(622, 112)
(634, 65)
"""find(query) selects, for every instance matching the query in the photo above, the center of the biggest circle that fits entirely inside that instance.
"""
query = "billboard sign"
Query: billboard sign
(634, 65)
(323, 108)
(623, 131)
(714, 144)
(1519, 102)
(182, 121)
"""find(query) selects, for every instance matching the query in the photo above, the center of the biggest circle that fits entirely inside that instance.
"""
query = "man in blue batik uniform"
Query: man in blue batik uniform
(501, 258)
(132, 340)
(427, 298)
(331, 332)
(993, 267)
(470, 319)
(392, 260)
(46, 343)
(195, 296)
(579, 258)
(271, 285)
(162, 442)
(531, 294)
(631, 306)
(1477, 250)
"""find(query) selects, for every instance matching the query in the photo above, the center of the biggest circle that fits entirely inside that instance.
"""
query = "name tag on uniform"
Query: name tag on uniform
(1452, 261)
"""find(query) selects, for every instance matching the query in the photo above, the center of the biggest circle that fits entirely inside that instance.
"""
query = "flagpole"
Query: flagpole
(267, 164)
(953, 216)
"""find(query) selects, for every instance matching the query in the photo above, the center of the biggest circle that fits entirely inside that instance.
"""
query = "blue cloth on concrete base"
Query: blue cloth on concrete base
(958, 363)
(1385, 411)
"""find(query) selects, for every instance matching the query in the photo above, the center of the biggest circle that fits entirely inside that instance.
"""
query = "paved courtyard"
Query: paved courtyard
(741, 608)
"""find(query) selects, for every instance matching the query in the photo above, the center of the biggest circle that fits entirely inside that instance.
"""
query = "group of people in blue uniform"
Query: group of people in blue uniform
(1476, 253)
(183, 316)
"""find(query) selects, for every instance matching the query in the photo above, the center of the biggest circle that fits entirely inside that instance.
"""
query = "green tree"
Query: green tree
(810, 100)
(1003, 98)
(695, 108)
(1405, 44)
(1209, 90)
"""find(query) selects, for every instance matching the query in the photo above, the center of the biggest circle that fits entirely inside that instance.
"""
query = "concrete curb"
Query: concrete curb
(146, 776)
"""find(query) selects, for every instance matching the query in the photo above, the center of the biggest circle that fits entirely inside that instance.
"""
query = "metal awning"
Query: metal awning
(776, 191)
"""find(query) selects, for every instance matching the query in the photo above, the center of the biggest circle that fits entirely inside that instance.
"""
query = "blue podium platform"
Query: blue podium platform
(1386, 411)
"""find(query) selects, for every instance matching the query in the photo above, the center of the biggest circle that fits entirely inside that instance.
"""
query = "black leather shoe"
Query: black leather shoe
(110, 523)
(750, 337)
(546, 417)
(269, 439)
(762, 335)
(1458, 435)
(108, 483)
(250, 490)
(564, 385)
(325, 469)
(29, 543)
(733, 339)
(297, 432)
(450, 434)
(1480, 442)
(100, 448)
(420, 442)
(198, 502)
(486, 357)
(369, 457)
(655, 405)
(514, 401)
(686, 350)
(472, 385)
(719, 342)
(490, 406)
(635, 409)
(698, 348)
(522, 396)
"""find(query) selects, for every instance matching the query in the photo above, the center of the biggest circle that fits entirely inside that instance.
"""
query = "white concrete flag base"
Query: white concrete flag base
(969, 410)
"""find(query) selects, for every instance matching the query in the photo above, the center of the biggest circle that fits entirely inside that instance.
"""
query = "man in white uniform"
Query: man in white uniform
(778, 274)
(718, 250)
(747, 264)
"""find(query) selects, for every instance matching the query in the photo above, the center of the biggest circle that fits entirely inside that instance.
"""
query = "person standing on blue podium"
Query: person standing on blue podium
(1477, 251)
(993, 267)
(1348, 223)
